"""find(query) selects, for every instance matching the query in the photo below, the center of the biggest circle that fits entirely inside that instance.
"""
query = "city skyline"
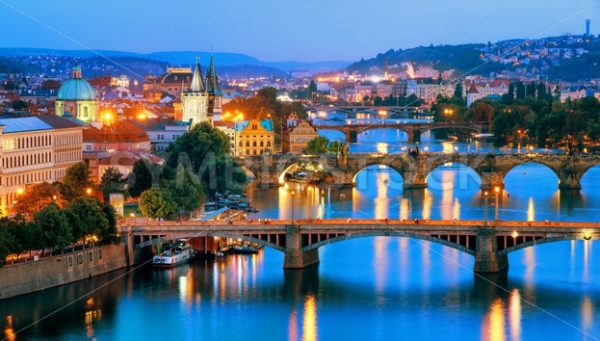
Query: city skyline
(316, 31)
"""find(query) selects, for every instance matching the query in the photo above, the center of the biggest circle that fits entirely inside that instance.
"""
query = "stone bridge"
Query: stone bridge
(488, 242)
(413, 130)
(341, 170)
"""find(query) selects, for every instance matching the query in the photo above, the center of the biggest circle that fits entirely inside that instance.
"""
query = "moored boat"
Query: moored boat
(179, 254)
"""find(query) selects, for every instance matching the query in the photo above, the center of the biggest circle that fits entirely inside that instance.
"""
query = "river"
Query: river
(373, 288)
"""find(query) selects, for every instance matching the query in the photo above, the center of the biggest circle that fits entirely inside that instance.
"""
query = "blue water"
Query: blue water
(372, 288)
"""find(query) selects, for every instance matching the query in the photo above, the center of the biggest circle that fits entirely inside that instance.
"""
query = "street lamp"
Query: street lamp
(497, 213)
(88, 191)
(293, 193)
(486, 197)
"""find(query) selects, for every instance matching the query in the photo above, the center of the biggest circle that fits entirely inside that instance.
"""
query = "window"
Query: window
(99, 254)
(90, 256)
(80, 259)
(70, 261)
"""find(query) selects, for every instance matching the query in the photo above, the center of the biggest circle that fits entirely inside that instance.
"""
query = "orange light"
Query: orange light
(20, 191)
(515, 234)
(88, 191)
(497, 189)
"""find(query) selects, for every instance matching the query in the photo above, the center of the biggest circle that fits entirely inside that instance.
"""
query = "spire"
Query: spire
(212, 79)
(197, 81)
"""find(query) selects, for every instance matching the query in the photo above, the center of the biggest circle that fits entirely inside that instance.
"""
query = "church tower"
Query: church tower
(195, 101)
(215, 98)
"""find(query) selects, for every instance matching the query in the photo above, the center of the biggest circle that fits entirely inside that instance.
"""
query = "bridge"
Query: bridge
(300, 240)
(354, 109)
(341, 170)
(413, 130)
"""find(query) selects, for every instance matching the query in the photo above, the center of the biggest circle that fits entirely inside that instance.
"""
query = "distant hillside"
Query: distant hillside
(568, 57)
(444, 57)
(237, 64)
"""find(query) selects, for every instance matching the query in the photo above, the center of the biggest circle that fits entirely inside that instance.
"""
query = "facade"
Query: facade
(228, 128)
(76, 98)
(35, 150)
(115, 136)
(254, 137)
(194, 101)
(172, 82)
(162, 132)
(296, 135)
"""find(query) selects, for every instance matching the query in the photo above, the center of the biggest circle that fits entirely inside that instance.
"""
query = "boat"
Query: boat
(244, 249)
(483, 136)
(181, 253)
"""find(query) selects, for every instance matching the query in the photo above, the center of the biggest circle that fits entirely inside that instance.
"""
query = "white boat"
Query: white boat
(181, 253)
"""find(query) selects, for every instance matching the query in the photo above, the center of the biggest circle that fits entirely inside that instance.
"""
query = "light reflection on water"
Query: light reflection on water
(372, 288)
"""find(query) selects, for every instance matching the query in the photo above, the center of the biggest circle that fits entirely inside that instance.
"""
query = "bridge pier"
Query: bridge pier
(295, 257)
(487, 259)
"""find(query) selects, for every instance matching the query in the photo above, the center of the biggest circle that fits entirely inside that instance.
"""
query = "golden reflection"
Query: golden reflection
(309, 325)
(447, 147)
(587, 312)
(382, 147)
(530, 210)
(447, 194)
(381, 262)
(404, 208)
(514, 307)
(456, 209)
(293, 325)
(493, 322)
(284, 203)
(381, 201)
(9, 332)
(586, 260)
(529, 265)
(426, 262)
(427, 203)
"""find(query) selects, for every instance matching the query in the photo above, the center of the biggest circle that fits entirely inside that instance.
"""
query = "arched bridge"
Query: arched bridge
(488, 243)
(413, 130)
(491, 168)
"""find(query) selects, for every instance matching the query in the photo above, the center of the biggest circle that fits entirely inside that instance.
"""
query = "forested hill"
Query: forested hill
(569, 58)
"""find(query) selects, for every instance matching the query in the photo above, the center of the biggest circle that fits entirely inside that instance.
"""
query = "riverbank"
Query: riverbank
(24, 278)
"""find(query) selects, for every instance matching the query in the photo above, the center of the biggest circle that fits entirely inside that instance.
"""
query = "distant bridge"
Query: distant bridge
(491, 168)
(488, 242)
(413, 130)
(354, 109)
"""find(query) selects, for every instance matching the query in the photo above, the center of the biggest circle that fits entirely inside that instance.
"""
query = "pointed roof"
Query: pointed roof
(212, 79)
(197, 84)
(473, 89)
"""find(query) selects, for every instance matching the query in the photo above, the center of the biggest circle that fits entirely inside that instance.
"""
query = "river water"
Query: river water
(373, 288)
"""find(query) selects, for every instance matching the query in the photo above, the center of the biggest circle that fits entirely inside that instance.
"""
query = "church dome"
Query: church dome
(76, 88)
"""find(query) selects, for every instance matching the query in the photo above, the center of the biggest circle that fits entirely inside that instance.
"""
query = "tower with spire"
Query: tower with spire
(215, 98)
(194, 101)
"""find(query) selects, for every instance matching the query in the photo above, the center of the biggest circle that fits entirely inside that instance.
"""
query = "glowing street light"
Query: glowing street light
(497, 213)
(88, 191)
(486, 197)
(20, 191)
(515, 234)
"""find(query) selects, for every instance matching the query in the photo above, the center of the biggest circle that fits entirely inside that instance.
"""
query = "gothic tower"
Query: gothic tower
(215, 97)
(195, 101)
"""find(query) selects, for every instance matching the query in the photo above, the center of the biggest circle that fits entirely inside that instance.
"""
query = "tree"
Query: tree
(112, 181)
(312, 89)
(76, 179)
(56, 232)
(86, 217)
(141, 179)
(38, 196)
(318, 145)
(157, 203)
(110, 234)
(18, 105)
(458, 90)
(335, 147)
(186, 190)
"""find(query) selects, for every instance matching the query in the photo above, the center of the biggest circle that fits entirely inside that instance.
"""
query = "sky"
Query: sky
(284, 30)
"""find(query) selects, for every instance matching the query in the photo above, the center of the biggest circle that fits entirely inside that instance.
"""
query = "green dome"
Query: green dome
(76, 89)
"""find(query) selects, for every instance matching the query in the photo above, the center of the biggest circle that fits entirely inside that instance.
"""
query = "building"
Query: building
(215, 98)
(115, 136)
(228, 128)
(254, 137)
(162, 132)
(76, 98)
(194, 101)
(172, 82)
(472, 95)
(34, 150)
(296, 134)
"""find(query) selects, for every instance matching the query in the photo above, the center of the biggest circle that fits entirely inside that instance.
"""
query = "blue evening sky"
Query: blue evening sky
(304, 30)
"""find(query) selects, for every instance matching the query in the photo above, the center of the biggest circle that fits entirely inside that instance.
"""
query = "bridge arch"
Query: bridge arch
(451, 126)
(540, 241)
(591, 172)
(465, 171)
(389, 233)
(513, 169)
(248, 238)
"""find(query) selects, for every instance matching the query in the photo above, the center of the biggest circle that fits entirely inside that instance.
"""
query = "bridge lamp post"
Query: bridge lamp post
(486, 199)
(497, 210)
